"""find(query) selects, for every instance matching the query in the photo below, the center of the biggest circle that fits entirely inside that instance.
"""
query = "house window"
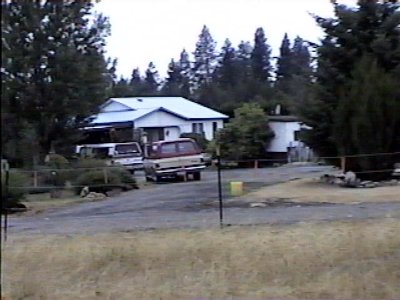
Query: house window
(214, 128)
(297, 135)
(198, 128)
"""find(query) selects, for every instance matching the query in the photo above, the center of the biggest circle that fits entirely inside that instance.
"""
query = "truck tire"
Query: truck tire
(197, 176)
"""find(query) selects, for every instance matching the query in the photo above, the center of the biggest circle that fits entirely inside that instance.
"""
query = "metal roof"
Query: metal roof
(120, 116)
(141, 106)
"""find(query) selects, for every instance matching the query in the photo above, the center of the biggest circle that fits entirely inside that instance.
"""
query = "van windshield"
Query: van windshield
(101, 152)
(127, 150)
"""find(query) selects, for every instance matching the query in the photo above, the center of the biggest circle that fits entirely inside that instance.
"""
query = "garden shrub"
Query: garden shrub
(17, 189)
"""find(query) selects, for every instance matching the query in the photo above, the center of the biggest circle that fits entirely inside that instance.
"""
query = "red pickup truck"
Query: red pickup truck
(173, 158)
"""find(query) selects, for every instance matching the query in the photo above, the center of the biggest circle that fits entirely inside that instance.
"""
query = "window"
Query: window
(297, 135)
(186, 147)
(127, 149)
(168, 148)
(214, 128)
(198, 128)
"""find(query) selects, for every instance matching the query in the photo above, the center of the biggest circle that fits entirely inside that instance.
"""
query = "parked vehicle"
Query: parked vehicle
(129, 155)
(181, 157)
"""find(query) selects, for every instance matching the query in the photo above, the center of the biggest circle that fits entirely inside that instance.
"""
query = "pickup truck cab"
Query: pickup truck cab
(173, 158)
(127, 154)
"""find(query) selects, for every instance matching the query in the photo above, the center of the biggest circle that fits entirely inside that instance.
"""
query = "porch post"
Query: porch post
(133, 130)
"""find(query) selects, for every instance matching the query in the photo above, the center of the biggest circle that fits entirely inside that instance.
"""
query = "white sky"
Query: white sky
(158, 30)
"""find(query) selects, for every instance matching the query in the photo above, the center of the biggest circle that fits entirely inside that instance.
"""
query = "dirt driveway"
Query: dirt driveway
(192, 204)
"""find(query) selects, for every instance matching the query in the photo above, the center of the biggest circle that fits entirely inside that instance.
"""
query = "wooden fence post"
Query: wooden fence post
(35, 179)
(105, 175)
(256, 164)
(343, 163)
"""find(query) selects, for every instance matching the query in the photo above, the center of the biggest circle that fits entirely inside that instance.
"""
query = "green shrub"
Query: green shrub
(125, 176)
(56, 161)
(17, 183)
(118, 177)
(90, 163)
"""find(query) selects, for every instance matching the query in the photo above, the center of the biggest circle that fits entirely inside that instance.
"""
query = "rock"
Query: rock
(95, 196)
(84, 192)
(368, 184)
(350, 179)
(258, 204)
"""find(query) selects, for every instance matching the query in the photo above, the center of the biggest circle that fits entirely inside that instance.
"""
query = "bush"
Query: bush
(17, 183)
(117, 177)
(90, 163)
(56, 161)
(199, 138)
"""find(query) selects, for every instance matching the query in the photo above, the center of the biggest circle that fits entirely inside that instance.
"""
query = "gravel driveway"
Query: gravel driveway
(190, 205)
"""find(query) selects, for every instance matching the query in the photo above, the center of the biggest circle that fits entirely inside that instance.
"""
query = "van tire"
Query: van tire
(197, 176)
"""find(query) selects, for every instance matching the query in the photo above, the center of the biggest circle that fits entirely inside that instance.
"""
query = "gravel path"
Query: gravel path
(191, 205)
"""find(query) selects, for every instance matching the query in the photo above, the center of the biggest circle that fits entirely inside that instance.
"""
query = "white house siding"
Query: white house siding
(159, 119)
(284, 135)
(114, 106)
(172, 133)
(175, 125)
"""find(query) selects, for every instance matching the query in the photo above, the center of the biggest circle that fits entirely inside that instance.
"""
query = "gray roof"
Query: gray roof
(138, 107)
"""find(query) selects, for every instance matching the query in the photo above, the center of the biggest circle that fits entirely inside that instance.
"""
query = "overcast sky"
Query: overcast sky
(158, 30)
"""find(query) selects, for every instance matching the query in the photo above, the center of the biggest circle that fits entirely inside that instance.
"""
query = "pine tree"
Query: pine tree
(370, 30)
(284, 70)
(301, 58)
(173, 82)
(151, 80)
(367, 119)
(55, 74)
(227, 71)
(204, 59)
(186, 74)
(260, 57)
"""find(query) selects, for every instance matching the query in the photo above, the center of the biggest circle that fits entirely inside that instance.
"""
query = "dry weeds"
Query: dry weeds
(312, 190)
(342, 260)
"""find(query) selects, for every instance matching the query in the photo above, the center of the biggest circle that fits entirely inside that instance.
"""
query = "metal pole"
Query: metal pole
(7, 179)
(221, 207)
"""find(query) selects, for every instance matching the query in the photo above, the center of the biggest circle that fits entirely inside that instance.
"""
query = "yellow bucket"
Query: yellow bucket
(236, 188)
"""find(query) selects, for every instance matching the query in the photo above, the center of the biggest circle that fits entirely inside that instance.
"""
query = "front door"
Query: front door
(154, 134)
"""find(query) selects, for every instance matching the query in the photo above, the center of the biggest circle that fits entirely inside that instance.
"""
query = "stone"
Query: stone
(350, 179)
(258, 204)
(84, 192)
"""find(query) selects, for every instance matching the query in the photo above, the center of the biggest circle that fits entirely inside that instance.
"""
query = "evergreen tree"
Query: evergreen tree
(204, 59)
(260, 57)
(173, 82)
(227, 70)
(186, 74)
(370, 30)
(301, 58)
(294, 72)
(54, 73)
(367, 119)
(151, 80)
(122, 88)
(284, 70)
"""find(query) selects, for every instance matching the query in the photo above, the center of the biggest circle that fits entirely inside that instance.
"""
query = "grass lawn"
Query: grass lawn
(340, 260)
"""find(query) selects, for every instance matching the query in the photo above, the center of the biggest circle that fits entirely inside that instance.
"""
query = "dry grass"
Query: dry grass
(312, 190)
(343, 260)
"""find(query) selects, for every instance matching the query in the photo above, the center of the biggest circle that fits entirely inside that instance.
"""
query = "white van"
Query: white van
(129, 155)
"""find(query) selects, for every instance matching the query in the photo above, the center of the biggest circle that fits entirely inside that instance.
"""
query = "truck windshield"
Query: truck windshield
(127, 150)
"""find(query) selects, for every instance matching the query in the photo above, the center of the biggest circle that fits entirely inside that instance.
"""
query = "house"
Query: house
(286, 144)
(160, 118)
